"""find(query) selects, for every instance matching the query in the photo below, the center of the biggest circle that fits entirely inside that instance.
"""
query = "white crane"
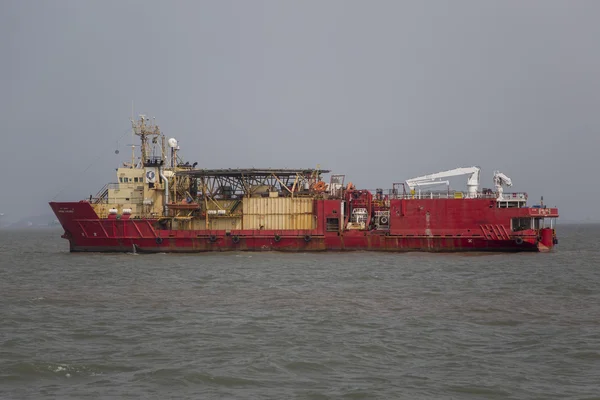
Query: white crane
(501, 180)
(472, 182)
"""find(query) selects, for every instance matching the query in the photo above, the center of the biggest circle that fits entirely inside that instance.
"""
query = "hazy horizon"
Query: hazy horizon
(380, 91)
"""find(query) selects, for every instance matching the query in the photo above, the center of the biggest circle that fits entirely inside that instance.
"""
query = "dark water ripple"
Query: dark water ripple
(306, 326)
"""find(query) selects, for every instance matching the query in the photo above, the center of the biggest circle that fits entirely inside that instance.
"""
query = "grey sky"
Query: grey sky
(379, 90)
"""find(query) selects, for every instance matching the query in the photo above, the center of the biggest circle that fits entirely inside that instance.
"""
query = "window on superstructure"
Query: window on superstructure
(333, 224)
(121, 179)
(521, 224)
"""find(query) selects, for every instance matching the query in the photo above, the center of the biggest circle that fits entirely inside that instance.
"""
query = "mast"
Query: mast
(144, 130)
(132, 138)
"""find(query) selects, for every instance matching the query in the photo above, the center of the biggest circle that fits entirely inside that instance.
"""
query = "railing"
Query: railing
(102, 195)
(102, 191)
(153, 161)
(378, 194)
(514, 196)
(452, 194)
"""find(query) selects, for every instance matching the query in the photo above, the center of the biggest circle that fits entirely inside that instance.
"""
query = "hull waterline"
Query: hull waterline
(88, 233)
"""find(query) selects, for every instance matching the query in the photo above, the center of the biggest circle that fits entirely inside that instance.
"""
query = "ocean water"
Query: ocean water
(299, 326)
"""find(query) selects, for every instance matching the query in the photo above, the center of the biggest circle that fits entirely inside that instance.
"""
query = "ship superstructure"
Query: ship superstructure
(161, 203)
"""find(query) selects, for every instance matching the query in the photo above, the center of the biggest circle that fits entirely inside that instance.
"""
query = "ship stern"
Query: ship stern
(547, 240)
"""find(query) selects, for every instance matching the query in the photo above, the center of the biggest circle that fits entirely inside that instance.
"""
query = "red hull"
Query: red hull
(432, 225)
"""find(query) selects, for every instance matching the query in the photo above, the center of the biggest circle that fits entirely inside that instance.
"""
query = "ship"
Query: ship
(161, 203)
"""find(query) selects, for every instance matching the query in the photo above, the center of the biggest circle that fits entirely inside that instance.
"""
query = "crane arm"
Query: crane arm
(501, 179)
(432, 183)
(473, 171)
(472, 182)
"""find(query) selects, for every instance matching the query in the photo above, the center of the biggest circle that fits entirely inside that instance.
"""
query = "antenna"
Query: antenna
(132, 141)
(132, 136)
(133, 146)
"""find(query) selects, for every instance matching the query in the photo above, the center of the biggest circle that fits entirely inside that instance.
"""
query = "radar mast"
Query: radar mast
(145, 129)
